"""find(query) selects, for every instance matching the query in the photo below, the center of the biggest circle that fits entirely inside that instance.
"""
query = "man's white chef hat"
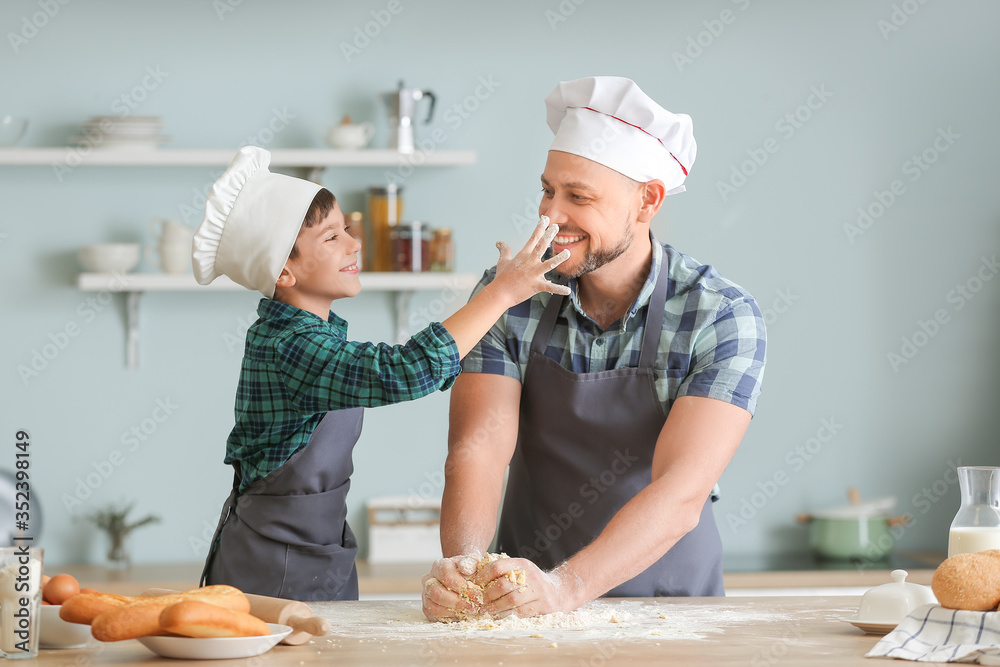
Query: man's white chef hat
(252, 218)
(609, 120)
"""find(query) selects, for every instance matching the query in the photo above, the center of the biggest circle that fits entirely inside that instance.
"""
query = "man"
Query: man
(618, 407)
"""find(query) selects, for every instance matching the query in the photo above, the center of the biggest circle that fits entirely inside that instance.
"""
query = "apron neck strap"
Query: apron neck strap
(654, 314)
(651, 330)
(546, 324)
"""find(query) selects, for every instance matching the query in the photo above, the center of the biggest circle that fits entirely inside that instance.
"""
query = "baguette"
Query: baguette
(194, 618)
(969, 581)
(85, 607)
(142, 617)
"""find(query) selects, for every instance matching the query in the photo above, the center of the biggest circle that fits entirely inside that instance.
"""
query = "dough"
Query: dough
(473, 592)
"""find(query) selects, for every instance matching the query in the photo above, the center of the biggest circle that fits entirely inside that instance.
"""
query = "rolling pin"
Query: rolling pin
(293, 613)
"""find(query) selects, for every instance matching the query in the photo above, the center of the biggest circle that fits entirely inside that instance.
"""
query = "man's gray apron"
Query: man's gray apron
(585, 448)
(286, 535)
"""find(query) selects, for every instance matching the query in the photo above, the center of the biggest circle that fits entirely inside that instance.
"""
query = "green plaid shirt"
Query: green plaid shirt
(296, 368)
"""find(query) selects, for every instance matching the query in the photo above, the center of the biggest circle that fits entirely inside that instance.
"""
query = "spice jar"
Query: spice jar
(385, 209)
(442, 250)
(356, 228)
(412, 242)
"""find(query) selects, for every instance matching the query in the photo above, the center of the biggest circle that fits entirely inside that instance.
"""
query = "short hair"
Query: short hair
(321, 205)
(630, 183)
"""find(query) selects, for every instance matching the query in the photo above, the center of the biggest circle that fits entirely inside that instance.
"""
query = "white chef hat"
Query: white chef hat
(252, 218)
(608, 119)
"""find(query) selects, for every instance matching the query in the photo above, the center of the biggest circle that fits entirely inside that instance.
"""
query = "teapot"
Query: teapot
(350, 135)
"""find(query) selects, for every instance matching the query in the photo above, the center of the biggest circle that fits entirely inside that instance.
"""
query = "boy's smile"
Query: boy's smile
(325, 266)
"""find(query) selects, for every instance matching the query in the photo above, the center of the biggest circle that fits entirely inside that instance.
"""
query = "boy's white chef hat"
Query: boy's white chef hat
(252, 218)
(609, 120)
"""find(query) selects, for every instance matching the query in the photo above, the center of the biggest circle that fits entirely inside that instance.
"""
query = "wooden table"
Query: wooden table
(696, 631)
(396, 578)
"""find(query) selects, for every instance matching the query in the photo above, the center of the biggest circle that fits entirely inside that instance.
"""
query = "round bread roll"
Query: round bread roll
(969, 581)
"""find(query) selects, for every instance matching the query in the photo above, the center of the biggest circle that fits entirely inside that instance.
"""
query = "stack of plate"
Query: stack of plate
(128, 132)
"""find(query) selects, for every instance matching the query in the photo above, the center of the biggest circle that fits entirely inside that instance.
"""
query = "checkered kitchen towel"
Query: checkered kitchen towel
(934, 634)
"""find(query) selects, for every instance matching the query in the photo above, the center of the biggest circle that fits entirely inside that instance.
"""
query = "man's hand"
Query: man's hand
(441, 588)
(541, 592)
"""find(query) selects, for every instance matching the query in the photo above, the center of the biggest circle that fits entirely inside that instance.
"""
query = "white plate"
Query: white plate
(190, 648)
(124, 132)
(126, 120)
(108, 142)
(870, 628)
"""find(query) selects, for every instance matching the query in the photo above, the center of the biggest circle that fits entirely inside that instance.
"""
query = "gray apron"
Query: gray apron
(286, 535)
(585, 448)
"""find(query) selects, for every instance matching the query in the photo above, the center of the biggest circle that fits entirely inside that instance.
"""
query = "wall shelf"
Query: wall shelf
(456, 285)
(182, 157)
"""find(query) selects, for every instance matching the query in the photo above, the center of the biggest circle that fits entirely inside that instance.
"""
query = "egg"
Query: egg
(60, 588)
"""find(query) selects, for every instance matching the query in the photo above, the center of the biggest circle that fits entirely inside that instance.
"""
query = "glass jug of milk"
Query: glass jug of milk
(976, 527)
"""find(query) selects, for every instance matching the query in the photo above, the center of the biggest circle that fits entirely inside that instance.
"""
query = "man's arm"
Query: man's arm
(482, 435)
(695, 445)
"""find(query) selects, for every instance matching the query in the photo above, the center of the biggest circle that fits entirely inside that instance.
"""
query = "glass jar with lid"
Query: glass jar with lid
(412, 243)
(355, 221)
(385, 210)
(442, 250)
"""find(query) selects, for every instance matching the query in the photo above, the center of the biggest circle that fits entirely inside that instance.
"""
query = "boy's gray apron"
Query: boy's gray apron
(287, 536)
(585, 448)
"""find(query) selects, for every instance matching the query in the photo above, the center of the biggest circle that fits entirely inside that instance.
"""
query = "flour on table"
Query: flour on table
(625, 620)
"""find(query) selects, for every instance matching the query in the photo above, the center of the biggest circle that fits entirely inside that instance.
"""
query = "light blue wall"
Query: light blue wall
(836, 306)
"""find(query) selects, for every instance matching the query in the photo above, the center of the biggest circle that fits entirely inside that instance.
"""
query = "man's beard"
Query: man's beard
(594, 260)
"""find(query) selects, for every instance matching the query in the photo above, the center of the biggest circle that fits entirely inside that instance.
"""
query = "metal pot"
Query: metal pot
(855, 532)
(852, 538)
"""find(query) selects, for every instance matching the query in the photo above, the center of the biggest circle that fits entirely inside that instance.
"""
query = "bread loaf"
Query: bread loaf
(142, 617)
(193, 618)
(85, 607)
(969, 581)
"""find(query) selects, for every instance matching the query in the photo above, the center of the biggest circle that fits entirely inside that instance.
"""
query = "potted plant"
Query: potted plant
(113, 520)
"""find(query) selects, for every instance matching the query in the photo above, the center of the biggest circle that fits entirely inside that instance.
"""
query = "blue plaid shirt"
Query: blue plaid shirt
(296, 368)
(712, 343)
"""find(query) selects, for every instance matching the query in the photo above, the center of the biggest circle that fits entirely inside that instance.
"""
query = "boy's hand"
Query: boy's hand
(518, 278)
(522, 276)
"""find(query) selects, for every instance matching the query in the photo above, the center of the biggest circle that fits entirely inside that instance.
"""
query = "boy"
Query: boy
(283, 530)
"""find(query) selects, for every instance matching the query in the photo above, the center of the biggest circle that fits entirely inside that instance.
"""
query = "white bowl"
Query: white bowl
(53, 632)
(109, 257)
(12, 129)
